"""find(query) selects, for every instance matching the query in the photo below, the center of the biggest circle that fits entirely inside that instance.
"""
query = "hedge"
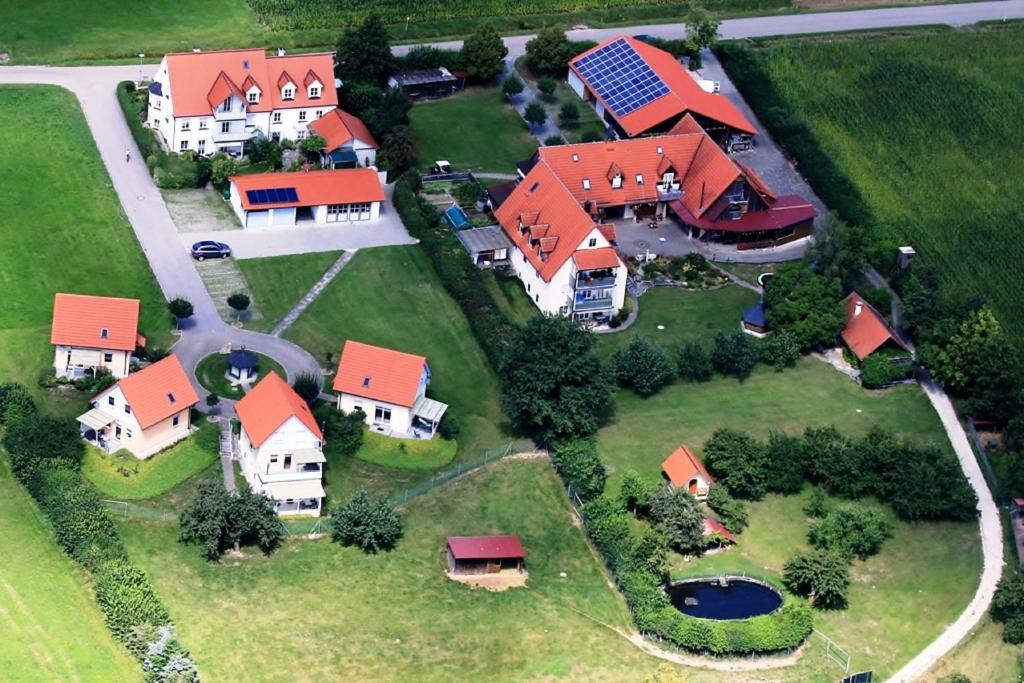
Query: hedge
(127, 599)
(463, 281)
(144, 137)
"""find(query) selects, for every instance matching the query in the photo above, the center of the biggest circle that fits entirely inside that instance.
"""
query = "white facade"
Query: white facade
(227, 127)
(121, 430)
(323, 214)
(287, 466)
(73, 361)
(381, 415)
(569, 294)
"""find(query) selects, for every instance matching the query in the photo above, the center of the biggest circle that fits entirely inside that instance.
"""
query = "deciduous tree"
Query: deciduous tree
(483, 53)
(364, 53)
(549, 52)
(734, 355)
(805, 304)
(535, 114)
(738, 461)
(675, 515)
(369, 525)
(512, 86)
(851, 532)
(822, 576)
(694, 362)
(643, 365)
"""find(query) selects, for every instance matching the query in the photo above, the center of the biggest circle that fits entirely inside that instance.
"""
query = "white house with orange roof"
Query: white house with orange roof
(143, 413)
(281, 447)
(326, 197)
(217, 101)
(685, 471)
(91, 332)
(390, 388)
(347, 140)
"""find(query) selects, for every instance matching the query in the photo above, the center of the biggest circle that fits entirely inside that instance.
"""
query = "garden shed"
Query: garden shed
(472, 555)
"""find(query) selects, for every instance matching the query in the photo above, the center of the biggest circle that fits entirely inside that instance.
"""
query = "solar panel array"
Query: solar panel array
(621, 77)
(273, 196)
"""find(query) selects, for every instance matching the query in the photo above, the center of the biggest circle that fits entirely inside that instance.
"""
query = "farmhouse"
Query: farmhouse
(639, 89)
(565, 260)
(348, 141)
(390, 387)
(866, 330)
(144, 413)
(281, 447)
(93, 332)
(472, 556)
(306, 198)
(217, 101)
(685, 471)
(427, 83)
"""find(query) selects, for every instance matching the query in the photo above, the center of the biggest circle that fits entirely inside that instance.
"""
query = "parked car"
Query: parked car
(210, 249)
(644, 37)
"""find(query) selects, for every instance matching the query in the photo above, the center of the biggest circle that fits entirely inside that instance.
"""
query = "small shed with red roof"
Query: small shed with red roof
(685, 471)
(715, 533)
(473, 555)
(866, 330)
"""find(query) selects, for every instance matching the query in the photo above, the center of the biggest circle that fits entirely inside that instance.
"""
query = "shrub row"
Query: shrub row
(463, 281)
(144, 137)
(46, 454)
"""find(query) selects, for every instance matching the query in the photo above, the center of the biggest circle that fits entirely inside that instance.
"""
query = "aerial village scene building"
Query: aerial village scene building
(511, 341)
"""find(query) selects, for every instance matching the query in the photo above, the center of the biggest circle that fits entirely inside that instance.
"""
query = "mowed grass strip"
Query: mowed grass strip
(474, 130)
(278, 283)
(929, 143)
(395, 616)
(53, 630)
(62, 230)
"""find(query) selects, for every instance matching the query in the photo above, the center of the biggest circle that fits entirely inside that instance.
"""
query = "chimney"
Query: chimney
(857, 309)
(196, 49)
(280, 52)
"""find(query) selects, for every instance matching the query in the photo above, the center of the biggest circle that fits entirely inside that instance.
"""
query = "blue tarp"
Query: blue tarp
(156, 88)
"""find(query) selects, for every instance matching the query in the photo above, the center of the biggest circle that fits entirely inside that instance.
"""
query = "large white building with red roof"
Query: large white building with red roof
(94, 332)
(217, 101)
(281, 447)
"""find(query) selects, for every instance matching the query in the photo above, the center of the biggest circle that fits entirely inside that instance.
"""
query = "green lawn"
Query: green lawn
(74, 240)
(212, 374)
(683, 315)
(588, 120)
(509, 296)
(122, 476)
(53, 630)
(474, 130)
(412, 454)
(391, 297)
(277, 283)
(394, 616)
(922, 138)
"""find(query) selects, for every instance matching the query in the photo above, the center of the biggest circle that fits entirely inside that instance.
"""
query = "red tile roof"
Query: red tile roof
(337, 128)
(785, 212)
(194, 79)
(682, 466)
(79, 320)
(684, 96)
(158, 391)
(866, 329)
(486, 547)
(590, 259)
(379, 373)
(314, 188)
(713, 526)
(269, 405)
(543, 202)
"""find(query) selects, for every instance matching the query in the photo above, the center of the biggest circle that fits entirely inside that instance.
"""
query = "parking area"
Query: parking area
(199, 210)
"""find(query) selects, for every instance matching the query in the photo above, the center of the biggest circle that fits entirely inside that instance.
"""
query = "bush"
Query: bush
(591, 135)
(694, 362)
(535, 114)
(35, 441)
(674, 515)
(176, 171)
(822, 576)
(731, 512)
(734, 355)
(642, 365)
(577, 462)
(449, 427)
(554, 141)
(80, 523)
(127, 599)
(850, 532)
(343, 431)
(512, 86)
(780, 351)
(569, 115)
(878, 370)
(817, 504)
(1008, 607)
(15, 403)
(144, 137)
(635, 494)
(546, 85)
(369, 526)
(467, 194)
(307, 386)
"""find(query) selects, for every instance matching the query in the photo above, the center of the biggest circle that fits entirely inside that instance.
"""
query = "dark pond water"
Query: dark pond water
(738, 600)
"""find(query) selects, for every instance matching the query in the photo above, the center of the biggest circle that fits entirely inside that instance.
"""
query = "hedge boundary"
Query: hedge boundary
(144, 137)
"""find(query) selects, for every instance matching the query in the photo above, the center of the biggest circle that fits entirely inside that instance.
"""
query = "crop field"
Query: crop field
(899, 137)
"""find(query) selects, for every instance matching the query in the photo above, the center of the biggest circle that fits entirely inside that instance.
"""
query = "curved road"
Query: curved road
(206, 332)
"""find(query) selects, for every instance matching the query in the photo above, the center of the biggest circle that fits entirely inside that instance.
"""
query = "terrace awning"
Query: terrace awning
(344, 156)
(308, 456)
(96, 419)
(429, 410)
(285, 490)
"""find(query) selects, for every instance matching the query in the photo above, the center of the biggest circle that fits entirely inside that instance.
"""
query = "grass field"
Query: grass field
(509, 296)
(474, 130)
(122, 476)
(212, 374)
(684, 316)
(924, 140)
(277, 283)
(75, 240)
(410, 454)
(322, 609)
(53, 629)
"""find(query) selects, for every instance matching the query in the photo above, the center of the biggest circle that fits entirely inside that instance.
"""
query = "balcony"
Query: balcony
(604, 303)
(595, 279)
(668, 193)
(240, 135)
(236, 114)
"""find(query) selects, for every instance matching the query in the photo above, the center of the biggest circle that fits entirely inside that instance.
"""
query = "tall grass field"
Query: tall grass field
(916, 136)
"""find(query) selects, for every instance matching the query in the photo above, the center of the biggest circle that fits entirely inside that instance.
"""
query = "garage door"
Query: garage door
(257, 219)
(282, 217)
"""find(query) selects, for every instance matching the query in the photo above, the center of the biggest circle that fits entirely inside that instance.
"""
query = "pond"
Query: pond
(736, 598)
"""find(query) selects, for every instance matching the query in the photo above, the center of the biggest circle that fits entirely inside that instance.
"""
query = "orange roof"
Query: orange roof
(542, 200)
(158, 391)
(682, 466)
(79, 320)
(703, 170)
(338, 127)
(314, 188)
(866, 329)
(195, 79)
(269, 405)
(603, 257)
(684, 93)
(713, 526)
(379, 373)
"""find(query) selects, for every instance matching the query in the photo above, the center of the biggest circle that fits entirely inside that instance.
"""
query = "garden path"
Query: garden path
(227, 451)
(313, 293)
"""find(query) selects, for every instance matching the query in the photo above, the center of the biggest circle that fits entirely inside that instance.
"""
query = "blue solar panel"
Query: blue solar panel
(279, 195)
(621, 77)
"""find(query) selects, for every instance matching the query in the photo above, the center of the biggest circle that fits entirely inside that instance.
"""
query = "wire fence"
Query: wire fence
(134, 511)
(986, 464)
(405, 495)
(835, 653)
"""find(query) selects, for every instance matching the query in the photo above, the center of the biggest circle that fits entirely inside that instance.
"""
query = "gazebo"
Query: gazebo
(243, 365)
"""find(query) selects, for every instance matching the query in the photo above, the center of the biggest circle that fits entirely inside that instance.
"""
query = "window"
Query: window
(254, 97)
(170, 398)
(174, 421)
(203, 125)
(108, 358)
(202, 146)
(575, 157)
(314, 92)
(226, 105)
(660, 150)
(128, 433)
(617, 182)
(586, 183)
(527, 286)
(104, 333)
(273, 459)
(276, 117)
(183, 146)
(319, 113)
(300, 135)
(536, 298)
(288, 93)
(302, 116)
(110, 400)
(186, 125)
(127, 409)
(381, 415)
(639, 179)
(225, 126)
(288, 462)
(592, 242)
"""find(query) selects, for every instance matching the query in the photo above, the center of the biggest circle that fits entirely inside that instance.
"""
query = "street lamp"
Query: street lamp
(141, 57)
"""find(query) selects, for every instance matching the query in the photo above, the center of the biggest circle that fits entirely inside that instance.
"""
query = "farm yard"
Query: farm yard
(917, 147)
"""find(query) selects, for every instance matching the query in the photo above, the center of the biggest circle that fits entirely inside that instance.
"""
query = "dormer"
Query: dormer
(614, 176)
(251, 90)
(287, 85)
(314, 88)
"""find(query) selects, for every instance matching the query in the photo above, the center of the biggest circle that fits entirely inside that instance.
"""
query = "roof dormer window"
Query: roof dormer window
(314, 92)
(639, 179)
(104, 333)
(586, 183)
(575, 157)
(660, 150)
(288, 92)
(254, 97)
(616, 182)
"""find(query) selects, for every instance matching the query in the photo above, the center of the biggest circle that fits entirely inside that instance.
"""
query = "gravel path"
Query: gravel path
(313, 293)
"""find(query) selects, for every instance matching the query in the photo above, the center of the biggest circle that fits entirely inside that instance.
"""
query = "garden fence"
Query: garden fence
(835, 653)
(452, 177)
(131, 510)
(990, 473)
(404, 496)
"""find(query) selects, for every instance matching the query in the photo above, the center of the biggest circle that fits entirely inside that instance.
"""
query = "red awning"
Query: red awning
(486, 547)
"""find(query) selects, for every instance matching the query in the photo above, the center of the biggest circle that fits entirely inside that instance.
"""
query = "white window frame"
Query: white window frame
(300, 135)
(302, 115)
(253, 97)
(186, 125)
(203, 125)
(201, 146)
(287, 93)
(275, 117)
(639, 179)
(314, 92)
(183, 146)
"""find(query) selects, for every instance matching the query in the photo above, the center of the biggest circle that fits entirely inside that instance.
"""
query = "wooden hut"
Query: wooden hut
(474, 555)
